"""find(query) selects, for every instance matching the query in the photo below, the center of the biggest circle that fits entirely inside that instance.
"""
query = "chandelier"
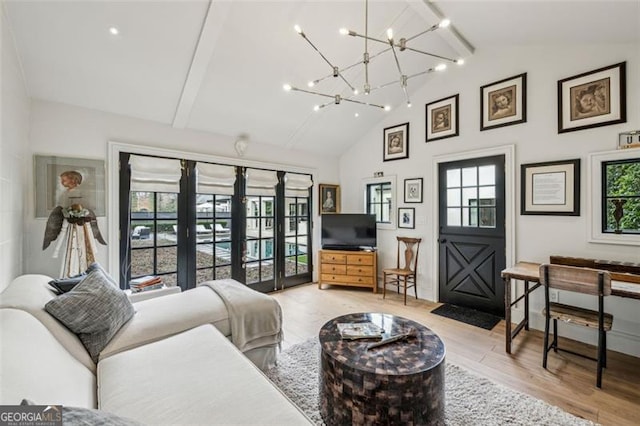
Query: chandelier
(394, 45)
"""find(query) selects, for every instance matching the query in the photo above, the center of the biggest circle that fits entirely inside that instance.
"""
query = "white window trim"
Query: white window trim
(394, 197)
(594, 193)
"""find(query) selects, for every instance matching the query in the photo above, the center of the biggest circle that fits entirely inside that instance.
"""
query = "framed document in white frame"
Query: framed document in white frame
(550, 188)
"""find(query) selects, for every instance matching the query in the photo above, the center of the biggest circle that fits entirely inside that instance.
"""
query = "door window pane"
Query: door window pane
(453, 178)
(453, 197)
(487, 175)
(470, 176)
(454, 217)
(487, 217)
(469, 195)
(487, 193)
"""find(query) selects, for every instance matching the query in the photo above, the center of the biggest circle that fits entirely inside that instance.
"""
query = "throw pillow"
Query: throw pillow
(94, 310)
(77, 416)
(63, 285)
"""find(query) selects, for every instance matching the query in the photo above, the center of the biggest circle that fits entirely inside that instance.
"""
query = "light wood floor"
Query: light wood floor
(569, 381)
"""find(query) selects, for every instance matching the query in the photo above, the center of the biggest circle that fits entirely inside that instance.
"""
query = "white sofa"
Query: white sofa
(172, 363)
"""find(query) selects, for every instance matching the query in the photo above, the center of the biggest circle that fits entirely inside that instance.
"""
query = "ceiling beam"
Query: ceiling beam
(431, 13)
(212, 27)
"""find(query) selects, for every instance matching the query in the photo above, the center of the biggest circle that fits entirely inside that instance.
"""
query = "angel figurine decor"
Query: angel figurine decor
(73, 226)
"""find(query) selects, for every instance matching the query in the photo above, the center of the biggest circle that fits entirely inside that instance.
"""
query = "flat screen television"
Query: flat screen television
(349, 231)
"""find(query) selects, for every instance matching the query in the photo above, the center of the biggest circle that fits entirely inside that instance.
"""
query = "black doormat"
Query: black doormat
(468, 316)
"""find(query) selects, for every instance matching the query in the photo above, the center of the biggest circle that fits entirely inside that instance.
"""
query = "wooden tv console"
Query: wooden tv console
(348, 268)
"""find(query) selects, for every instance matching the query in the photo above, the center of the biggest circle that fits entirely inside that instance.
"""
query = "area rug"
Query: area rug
(470, 400)
(467, 315)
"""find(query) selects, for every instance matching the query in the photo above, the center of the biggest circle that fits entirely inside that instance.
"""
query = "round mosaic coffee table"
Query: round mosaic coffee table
(399, 383)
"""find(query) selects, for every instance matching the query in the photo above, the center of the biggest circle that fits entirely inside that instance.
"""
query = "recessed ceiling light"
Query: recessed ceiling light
(114, 31)
(357, 115)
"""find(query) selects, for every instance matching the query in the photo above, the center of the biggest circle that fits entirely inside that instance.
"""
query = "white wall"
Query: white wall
(68, 131)
(537, 140)
(13, 159)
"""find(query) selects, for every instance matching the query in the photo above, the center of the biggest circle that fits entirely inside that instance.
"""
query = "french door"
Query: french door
(472, 233)
(258, 234)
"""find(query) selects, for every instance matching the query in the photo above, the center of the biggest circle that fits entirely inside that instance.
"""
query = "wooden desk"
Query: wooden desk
(622, 285)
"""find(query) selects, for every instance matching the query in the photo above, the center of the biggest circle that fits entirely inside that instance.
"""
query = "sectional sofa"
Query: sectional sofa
(173, 362)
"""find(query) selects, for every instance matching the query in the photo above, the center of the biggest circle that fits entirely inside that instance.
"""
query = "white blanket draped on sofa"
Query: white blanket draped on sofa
(255, 318)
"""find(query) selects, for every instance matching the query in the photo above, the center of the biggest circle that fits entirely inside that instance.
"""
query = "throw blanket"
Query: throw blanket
(255, 318)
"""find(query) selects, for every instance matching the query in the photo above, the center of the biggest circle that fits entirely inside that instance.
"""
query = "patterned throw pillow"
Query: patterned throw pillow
(95, 309)
(77, 416)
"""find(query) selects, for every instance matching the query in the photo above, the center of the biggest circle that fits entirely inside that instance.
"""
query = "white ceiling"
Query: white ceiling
(220, 66)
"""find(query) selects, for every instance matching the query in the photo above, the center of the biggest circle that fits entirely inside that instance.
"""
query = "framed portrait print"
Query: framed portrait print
(413, 190)
(395, 143)
(551, 188)
(62, 181)
(442, 118)
(329, 198)
(504, 102)
(406, 217)
(592, 99)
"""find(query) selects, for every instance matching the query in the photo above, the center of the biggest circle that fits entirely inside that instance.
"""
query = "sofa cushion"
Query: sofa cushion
(165, 316)
(37, 367)
(195, 377)
(30, 293)
(95, 310)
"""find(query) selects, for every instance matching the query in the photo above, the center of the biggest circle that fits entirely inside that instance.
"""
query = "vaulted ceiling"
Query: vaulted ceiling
(220, 66)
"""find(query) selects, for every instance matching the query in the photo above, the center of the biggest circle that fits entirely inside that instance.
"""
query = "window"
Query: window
(380, 199)
(614, 191)
(471, 197)
(379, 202)
(621, 196)
(154, 241)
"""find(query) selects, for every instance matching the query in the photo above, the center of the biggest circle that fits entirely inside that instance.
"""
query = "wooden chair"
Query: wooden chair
(579, 280)
(405, 275)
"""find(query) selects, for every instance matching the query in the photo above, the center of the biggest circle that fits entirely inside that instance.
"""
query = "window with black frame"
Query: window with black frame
(297, 236)
(379, 201)
(621, 196)
(153, 217)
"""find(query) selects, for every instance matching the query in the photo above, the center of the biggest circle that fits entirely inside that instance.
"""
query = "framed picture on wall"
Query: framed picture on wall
(442, 118)
(63, 181)
(406, 217)
(413, 190)
(592, 99)
(504, 102)
(395, 142)
(551, 188)
(329, 198)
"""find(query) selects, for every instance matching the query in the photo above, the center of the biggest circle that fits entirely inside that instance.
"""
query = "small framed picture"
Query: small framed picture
(442, 118)
(413, 190)
(329, 198)
(592, 99)
(395, 144)
(504, 102)
(551, 188)
(63, 181)
(406, 217)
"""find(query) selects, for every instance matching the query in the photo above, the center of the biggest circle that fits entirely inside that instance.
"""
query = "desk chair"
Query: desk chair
(403, 274)
(579, 280)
